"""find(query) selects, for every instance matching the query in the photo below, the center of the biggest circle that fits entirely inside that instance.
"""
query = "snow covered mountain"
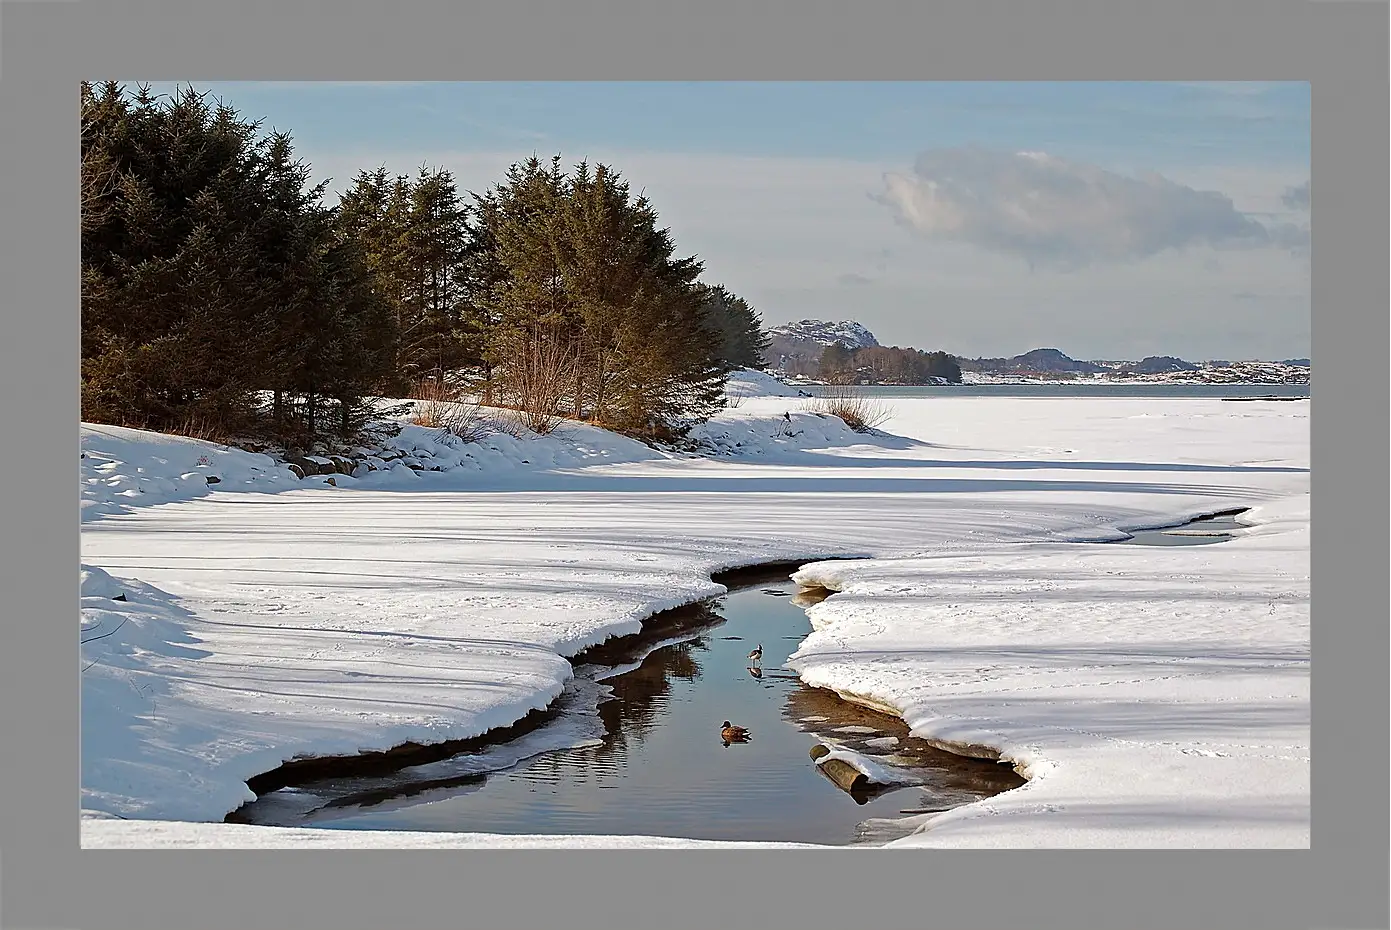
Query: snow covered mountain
(795, 348)
(848, 333)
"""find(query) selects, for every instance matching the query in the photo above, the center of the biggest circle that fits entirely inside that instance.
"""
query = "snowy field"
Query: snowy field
(1154, 696)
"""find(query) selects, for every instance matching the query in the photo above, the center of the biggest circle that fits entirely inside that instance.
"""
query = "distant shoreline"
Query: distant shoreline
(1005, 381)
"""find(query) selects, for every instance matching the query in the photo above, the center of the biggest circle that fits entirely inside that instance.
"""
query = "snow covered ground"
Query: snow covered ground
(1154, 696)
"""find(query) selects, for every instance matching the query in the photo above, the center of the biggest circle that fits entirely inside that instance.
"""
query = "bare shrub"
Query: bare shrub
(537, 380)
(441, 404)
(434, 398)
(202, 427)
(860, 412)
(466, 422)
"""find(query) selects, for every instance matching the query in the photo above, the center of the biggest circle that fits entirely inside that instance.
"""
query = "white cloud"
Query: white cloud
(783, 232)
(1053, 212)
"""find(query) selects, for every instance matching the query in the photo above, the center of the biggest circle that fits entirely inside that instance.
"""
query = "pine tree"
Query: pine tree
(836, 363)
(572, 268)
(170, 277)
(210, 272)
(741, 339)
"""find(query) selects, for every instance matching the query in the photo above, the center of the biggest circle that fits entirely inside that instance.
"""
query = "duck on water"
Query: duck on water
(732, 734)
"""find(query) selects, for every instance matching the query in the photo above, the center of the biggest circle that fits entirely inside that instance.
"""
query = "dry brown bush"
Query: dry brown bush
(860, 412)
(441, 403)
(537, 380)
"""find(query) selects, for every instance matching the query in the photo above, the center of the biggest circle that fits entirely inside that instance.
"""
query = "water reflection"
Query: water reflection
(654, 760)
(808, 597)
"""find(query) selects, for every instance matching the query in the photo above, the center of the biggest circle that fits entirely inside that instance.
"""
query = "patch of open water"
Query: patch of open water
(636, 750)
(1201, 531)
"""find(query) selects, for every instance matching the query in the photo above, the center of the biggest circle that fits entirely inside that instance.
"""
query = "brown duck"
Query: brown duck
(732, 734)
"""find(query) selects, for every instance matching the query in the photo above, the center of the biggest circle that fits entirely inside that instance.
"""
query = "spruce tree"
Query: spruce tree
(210, 274)
(741, 339)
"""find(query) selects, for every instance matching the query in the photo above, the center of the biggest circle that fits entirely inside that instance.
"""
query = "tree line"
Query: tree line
(222, 293)
(886, 365)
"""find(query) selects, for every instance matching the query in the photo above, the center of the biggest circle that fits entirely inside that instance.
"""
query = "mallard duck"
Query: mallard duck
(757, 655)
(732, 734)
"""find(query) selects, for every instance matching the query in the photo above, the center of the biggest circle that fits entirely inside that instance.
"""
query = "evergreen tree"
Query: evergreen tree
(741, 342)
(432, 252)
(212, 271)
(943, 365)
(170, 265)
(836, 363)
(574, 260)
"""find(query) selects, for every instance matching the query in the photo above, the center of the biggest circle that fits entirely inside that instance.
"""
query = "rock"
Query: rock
(120, 597)
(296, 469)
(315, 464)
(332, 483)
(305, 465)
(214, 479)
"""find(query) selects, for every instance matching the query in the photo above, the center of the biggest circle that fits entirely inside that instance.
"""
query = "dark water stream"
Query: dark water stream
(1201, 531)
(636, 750)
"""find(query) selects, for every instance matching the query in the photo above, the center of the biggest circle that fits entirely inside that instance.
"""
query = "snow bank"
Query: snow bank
(498, 455)
(179, 710)
(104, 833)
(755, 433)
(1155, 696)
(749, 382)
(125, 468)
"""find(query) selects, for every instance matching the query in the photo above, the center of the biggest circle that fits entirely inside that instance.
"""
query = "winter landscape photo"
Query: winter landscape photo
(670, 465)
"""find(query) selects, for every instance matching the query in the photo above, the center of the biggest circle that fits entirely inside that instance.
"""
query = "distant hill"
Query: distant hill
(1042, 361)
(1052, 365)
(805, 333)
(796, 347)
(1158, 365)
(1052, 360)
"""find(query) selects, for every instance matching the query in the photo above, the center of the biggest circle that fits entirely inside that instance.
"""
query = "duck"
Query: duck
(732, 734)
(757, 655)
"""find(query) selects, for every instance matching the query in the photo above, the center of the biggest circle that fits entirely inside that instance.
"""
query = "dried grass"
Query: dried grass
(441, 403)
(860, 412)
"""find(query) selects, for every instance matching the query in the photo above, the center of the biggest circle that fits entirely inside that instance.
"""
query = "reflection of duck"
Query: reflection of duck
(755, 672)
(757, 655)
(732, 734)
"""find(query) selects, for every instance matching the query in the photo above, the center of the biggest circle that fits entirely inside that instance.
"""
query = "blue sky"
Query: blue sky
(1110, 220)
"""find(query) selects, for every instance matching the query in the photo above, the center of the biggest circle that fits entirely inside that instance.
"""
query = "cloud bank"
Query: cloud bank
(1063, 214)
